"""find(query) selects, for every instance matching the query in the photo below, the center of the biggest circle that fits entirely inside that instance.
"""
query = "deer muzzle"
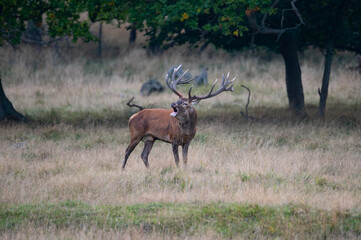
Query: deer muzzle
(175, 111)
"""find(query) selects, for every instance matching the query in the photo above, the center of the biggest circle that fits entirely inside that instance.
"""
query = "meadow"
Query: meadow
(277, 177)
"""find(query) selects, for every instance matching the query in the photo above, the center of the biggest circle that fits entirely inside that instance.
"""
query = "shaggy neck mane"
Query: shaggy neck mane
(188, 127)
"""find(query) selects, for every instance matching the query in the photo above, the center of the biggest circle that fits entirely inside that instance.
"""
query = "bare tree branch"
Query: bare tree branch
(246, 114)
(266, 14)
(134, 105)
(263, 29)
(295, 9)
(42, 43)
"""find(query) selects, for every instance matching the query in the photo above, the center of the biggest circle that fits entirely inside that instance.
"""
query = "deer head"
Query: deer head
(182, 105)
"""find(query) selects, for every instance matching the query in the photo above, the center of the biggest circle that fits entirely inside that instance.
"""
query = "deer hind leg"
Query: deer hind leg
(146, 150)
(175, 153)
(133, 143)
(185, 153)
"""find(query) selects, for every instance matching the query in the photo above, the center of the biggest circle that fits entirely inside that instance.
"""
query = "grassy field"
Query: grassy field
(60, 174)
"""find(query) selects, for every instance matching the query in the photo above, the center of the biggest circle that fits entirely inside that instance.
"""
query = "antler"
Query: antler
(172, 82)
(226, 85)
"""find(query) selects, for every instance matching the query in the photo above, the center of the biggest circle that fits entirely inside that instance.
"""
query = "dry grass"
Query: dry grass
(267, 164)
(73, 149)
(96, 233)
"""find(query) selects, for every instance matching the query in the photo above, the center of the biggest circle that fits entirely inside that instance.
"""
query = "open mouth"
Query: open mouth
(174, 113)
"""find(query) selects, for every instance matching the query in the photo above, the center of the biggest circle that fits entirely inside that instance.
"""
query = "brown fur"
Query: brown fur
(150, 125)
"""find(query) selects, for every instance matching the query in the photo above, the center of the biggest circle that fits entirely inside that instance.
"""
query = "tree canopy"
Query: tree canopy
(226, 24)
(62, 18)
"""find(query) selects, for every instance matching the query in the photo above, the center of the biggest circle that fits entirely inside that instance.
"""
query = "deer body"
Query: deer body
(158, 124)
(150, 125)
(176, 126)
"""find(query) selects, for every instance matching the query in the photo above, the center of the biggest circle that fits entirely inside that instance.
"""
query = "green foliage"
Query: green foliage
(166, 22)
(244, 176)
(62, 18)
(225, 24)
(107, 10)
(12, 19)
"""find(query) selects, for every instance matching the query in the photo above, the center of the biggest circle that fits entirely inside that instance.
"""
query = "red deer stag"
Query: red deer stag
(176, 126)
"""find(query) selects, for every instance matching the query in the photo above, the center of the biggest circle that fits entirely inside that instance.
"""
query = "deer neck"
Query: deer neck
(188, 125)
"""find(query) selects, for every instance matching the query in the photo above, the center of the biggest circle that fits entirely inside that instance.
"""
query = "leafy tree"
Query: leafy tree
(106, 11)
(331, 25)
(62, 18)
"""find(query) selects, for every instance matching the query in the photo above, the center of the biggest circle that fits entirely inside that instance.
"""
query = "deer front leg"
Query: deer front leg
(175, 153)
(185, 152)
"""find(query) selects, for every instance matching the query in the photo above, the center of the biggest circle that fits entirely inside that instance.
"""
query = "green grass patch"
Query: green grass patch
(227, 219)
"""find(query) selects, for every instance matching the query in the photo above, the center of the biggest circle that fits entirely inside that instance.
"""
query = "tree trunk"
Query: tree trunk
(100, 35)
(7, 110)
(293, 77)
(154, 44)
(32, 33)
(132, 36)
(325, 79)
(203, 47)
(153, 48)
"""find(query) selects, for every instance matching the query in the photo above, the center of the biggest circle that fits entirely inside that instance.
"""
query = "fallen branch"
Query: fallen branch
(134, 105)
(246, 114)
